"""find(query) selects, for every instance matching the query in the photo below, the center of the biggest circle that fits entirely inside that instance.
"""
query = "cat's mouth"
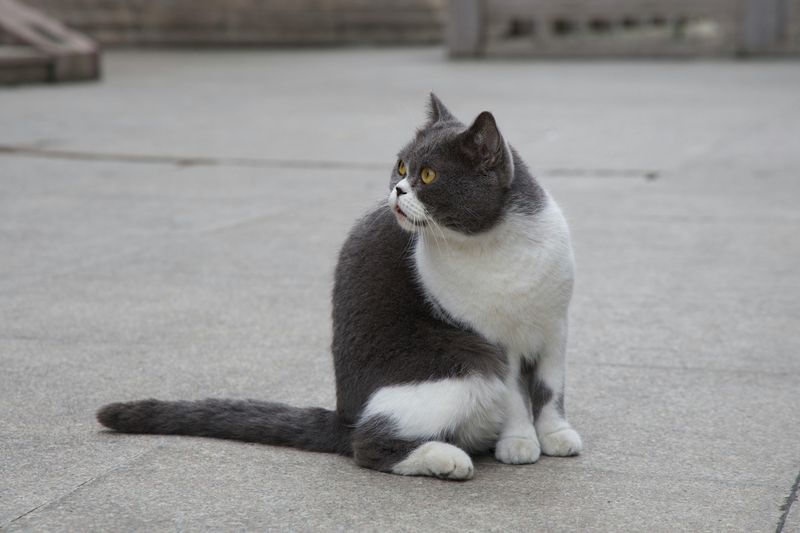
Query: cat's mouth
(408, 220)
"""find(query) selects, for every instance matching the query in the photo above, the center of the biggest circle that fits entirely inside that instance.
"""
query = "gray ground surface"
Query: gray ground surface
(197, 260)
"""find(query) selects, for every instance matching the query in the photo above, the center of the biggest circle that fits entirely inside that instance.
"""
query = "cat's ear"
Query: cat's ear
(437, 111)
(483, 138)
(483, 142)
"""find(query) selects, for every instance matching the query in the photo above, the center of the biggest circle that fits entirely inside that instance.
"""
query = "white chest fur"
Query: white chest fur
(511, 284)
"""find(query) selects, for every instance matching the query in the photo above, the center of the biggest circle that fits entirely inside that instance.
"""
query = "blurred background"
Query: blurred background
(467, 28)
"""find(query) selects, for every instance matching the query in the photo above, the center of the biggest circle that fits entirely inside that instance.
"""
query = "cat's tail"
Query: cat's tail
(307, 428)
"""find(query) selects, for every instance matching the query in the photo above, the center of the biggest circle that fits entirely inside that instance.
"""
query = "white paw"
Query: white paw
(437, 459)
(517, 450)
(561, 443)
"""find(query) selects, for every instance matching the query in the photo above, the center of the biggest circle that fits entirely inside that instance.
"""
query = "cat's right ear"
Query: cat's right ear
(483, 142)
(437, 112)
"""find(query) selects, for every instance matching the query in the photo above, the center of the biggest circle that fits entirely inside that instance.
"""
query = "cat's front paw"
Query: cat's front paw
(449, 463)
(517, 450)
(437, 459)
(561, 443)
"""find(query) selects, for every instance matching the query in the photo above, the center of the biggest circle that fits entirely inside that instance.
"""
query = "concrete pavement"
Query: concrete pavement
(172, 232)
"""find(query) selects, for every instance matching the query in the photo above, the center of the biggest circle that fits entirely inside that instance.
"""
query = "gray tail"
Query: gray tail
(308, 428)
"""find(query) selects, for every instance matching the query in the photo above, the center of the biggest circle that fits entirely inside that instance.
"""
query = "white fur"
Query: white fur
(517, 450)
(561, 443)
(518, 274)
(513, 285)
(436, 459)
(414, 212)
(471, 408)
(517, 443)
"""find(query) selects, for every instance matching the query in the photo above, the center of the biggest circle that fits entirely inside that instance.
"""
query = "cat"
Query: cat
(449, 323)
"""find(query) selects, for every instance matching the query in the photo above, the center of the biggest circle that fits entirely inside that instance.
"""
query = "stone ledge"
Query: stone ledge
(251, 22)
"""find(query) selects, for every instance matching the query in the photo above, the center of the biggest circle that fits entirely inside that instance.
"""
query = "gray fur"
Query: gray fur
(385, 330)
(438, 113)
(311, 428)
(560, 404)
(474, 188)
(539, 392)
(376, 446)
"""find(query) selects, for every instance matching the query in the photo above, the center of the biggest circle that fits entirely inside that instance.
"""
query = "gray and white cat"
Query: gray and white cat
(449, 323)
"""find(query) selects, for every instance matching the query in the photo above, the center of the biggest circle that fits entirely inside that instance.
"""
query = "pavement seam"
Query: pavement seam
(165, 159)
(727, 139)
(645, 366)
(787, 504)
(76, 268)
(75, 489)
(266, 162)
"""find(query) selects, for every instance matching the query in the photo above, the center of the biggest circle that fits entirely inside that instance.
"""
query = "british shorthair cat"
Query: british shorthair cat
(449, 323)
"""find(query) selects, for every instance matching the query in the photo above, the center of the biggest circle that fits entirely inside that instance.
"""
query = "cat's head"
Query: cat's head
(452, 176)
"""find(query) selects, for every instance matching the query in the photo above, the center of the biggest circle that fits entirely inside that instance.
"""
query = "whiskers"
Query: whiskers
(407, 247)
(436, 233)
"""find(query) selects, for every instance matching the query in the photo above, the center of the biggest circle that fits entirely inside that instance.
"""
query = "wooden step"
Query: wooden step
(43, 49)
(22, 64)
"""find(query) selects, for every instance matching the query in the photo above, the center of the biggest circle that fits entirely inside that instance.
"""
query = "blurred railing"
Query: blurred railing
(35, 47)
(623, 27)
(251, 22)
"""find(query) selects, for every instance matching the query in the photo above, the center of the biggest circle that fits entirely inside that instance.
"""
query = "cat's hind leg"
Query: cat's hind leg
(424, 428)
(517, 443)
(376, 445)
(545, 379)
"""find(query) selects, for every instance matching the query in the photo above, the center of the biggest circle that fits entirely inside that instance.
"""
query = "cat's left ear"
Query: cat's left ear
(484, 143)
(437, 112)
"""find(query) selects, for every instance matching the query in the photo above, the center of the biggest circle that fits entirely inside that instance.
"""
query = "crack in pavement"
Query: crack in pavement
(787, 504)
(75, 489)
(267, 162)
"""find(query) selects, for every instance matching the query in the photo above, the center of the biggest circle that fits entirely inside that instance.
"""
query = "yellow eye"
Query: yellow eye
(401, 168)
(427, 175)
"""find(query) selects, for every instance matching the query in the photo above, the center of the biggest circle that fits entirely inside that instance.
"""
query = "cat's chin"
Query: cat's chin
(406, 225)
(412, 226)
